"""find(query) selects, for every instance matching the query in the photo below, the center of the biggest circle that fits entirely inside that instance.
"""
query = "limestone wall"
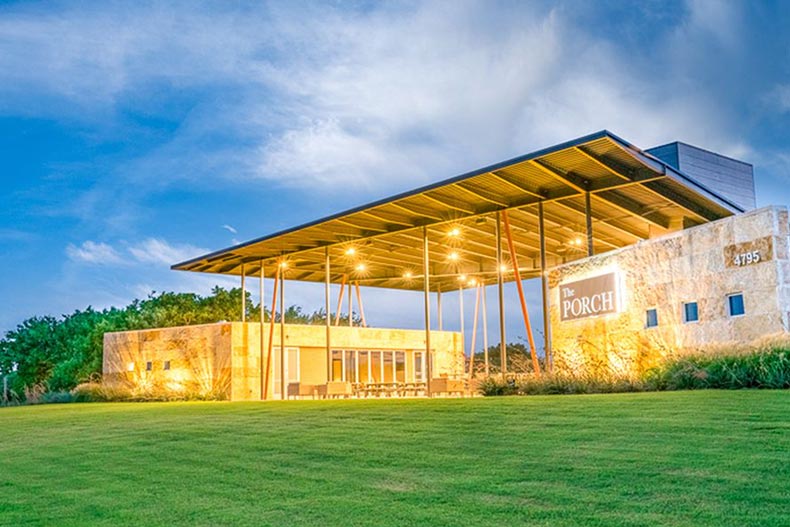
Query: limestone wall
(693, 265)
(227, 358)
(199, 358)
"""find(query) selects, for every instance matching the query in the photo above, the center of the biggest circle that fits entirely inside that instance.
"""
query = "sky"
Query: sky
(135, 135)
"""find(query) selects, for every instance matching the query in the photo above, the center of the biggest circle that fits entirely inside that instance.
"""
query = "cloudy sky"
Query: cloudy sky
(135, 135)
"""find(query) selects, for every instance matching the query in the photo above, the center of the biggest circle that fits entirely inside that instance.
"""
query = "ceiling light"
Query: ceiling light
(454, 232)
(407, 274)
(453, 256)
(351, 251)
(360, 268)
(462, 278)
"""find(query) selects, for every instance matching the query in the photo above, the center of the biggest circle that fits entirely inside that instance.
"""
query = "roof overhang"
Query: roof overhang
(634, 196)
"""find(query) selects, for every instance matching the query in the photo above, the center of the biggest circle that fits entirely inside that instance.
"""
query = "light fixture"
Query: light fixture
(454, 232)
(472, 282)
(462, 278)
(503, 268)
(360, 268)
(283, 265)
(130, 366)
(453, 256)
(351, 251)
(407, 274)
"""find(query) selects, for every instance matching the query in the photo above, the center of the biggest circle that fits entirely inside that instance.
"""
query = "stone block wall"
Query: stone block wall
(693, 265)
(226, 357)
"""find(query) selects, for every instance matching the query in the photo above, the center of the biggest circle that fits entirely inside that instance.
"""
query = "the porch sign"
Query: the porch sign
(589, 297)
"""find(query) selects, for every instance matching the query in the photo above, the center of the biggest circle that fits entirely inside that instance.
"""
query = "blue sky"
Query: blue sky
(134, 135)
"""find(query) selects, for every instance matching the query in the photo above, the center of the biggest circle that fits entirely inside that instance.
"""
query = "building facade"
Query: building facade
(227, 360)
(721, 283)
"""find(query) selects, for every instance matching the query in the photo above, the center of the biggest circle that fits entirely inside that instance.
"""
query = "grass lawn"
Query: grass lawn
(679, 458)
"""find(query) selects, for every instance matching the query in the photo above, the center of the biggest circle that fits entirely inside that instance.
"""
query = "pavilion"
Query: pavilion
(505, 222)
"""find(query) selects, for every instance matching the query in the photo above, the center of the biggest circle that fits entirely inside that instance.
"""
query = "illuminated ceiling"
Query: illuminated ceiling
(633, 196)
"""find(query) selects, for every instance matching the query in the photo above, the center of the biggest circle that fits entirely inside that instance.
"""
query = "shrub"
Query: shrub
(763, 368)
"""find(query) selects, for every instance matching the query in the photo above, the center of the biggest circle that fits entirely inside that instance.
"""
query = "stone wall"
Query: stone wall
(694, 265)
(227, 358)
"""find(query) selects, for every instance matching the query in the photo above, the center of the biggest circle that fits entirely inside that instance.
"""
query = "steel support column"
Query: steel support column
(283, 380)
(588, 217)
(243, 296)
(501, 296)
(544, 290)
(439, 308)
(263, 312)
(327, 291)
(427, 308)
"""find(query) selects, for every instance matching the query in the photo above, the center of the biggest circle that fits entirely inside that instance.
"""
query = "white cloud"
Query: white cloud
(318, 98)
(159, 251)
(230, 229)
(94, 253)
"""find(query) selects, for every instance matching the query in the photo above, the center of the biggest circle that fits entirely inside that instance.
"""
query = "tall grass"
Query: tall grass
(764, 368)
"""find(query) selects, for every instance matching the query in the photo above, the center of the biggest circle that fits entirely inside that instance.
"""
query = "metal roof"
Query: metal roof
(634, 196)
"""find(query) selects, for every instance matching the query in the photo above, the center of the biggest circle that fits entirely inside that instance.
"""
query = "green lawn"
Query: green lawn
(681, 458)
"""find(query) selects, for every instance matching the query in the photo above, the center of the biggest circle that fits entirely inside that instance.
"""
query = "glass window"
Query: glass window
(651, 319)
(735, 305)
(400, 366)
(167, 364)
(690, 312)
(388, 370)
(375, 366)
(419, 374)
(351, 366)
(364, 374)
(337, 365)
(149, 366)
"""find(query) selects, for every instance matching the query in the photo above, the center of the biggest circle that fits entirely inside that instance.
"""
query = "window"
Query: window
(690, 312)
(364, 367)
(167, 365)
(130, 366)
(418, 369)
(149, 366)
(351, 366)
(735, 305)
(337, 365)
(400, 366)
(651, 318)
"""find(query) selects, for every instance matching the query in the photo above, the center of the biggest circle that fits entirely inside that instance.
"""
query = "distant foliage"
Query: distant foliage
(48, 354)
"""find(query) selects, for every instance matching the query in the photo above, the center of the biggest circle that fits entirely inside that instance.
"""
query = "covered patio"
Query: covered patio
(510, 221)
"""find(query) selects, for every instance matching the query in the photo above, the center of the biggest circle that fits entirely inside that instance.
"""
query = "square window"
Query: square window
(130, 366)
(167, 365)
(149, 366)
(735, 305)
(690, 312)
(651, 318)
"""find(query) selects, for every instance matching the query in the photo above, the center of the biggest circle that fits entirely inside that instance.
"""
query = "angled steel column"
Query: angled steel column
(544, 289)
(243, 296)
(327, 292)
(588, 217)
(263, 311)
(501, 293)
(427, 307)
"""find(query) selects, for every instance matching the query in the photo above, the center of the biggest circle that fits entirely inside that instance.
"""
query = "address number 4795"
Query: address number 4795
(752, 257)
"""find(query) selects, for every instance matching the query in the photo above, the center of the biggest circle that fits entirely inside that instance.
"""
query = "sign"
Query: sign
(749, 253)
(589, 297)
